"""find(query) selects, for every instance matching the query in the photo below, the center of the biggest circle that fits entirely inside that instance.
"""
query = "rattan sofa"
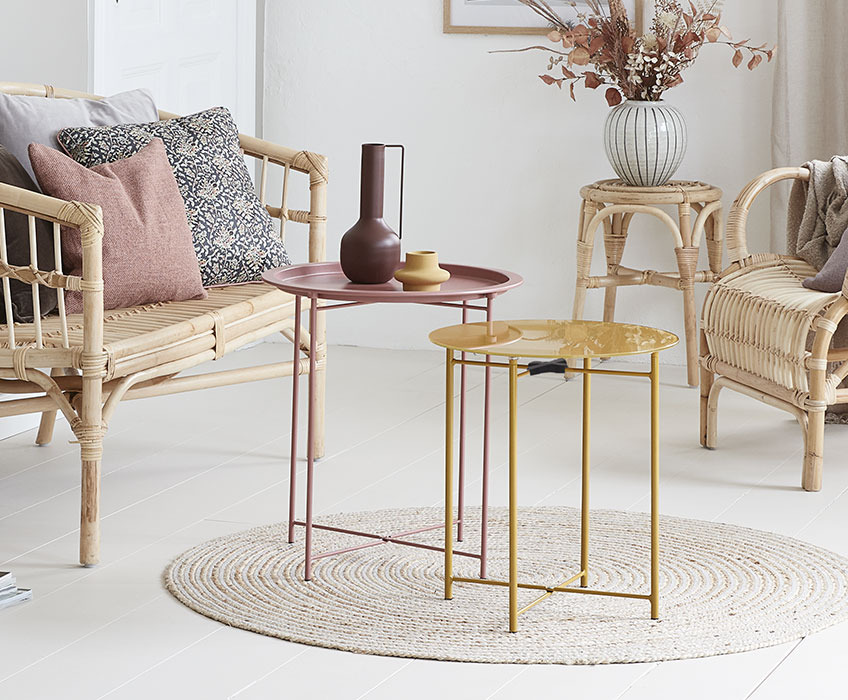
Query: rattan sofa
(769, 337)
(85, 364)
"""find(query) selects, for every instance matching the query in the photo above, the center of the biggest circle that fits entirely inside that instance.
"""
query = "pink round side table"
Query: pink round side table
(324, 281)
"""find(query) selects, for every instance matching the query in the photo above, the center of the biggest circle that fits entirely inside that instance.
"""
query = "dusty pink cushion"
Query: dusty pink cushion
(148, 255)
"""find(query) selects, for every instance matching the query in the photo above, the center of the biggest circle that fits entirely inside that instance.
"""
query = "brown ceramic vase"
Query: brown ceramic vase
(370, 250)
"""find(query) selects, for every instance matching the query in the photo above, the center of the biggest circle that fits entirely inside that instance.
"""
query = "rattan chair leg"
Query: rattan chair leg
(89, 432)
(584, 258)
(710, 417)
(687, 261)
(714, 230)
(45, 428)
(579, 301)
(614, 239)
(707, 379)
(811, 477)
(820, 396)
(90, 513)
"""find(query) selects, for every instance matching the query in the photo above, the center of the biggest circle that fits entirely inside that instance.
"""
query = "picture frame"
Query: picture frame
(510, 16)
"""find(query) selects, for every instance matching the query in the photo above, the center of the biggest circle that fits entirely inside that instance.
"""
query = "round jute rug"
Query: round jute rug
(725, 589)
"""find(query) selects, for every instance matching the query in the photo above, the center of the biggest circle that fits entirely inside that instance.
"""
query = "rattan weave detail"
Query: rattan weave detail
(758, 320)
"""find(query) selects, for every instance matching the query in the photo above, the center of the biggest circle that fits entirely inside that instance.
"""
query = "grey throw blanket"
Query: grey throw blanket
(818, 211)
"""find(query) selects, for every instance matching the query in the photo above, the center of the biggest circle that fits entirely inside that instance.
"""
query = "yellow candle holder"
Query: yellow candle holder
(422, 273)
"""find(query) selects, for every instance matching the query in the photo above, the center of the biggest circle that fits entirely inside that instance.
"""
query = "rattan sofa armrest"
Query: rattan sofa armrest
(313, 164)
(737, 246)
(88, 219)
(40, 205)
(308, 162)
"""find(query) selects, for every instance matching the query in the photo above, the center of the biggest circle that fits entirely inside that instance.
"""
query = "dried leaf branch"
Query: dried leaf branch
(635, 67)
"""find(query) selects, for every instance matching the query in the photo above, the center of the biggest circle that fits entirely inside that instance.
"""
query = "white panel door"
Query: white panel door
(192, 54)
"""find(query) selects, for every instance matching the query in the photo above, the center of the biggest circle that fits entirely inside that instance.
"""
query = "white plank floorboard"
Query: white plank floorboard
(182, 469)
(571, 682)
(816, 668)
(728, 676)
(424, 680)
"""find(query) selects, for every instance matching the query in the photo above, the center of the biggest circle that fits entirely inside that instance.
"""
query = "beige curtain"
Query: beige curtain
(810, 106)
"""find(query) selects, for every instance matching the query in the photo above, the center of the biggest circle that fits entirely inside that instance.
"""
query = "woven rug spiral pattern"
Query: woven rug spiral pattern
(724, 589)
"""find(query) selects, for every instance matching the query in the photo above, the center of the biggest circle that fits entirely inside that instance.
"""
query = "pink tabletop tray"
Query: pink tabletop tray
(325, 280)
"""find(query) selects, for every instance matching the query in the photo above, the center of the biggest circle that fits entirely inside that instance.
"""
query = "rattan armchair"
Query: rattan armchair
(767, 336)
(85, 364)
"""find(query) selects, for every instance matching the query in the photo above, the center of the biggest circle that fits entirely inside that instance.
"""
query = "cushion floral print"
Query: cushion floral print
(234, 236)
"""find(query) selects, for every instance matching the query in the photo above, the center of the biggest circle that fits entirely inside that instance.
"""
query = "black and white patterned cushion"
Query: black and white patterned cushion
(234, 236)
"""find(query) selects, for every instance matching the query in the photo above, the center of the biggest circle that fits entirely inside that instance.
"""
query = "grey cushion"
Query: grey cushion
(234, 237)
(25, 120)
(831, 276)
(17, 246)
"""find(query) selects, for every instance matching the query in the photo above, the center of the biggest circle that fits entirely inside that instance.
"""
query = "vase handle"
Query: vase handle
(402, 158)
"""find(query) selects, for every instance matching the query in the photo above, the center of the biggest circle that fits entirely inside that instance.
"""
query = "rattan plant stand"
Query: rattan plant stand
(768, 337)
(319, 283)
(548, 340)
(86, 364)
(613, 204)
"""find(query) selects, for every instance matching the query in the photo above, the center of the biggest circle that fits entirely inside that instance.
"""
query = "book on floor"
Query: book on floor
(10, 594)
(18, 595)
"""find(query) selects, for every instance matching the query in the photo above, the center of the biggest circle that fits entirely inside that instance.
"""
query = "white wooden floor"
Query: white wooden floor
(182, 469)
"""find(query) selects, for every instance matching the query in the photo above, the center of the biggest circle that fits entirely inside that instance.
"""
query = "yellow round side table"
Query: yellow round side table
(613, 204)
(550, 340)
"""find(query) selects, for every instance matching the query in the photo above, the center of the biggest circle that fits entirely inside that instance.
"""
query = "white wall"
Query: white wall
(45, 41)
(495, 158)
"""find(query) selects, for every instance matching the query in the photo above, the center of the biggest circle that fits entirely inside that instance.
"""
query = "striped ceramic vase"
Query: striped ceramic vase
(645, 142)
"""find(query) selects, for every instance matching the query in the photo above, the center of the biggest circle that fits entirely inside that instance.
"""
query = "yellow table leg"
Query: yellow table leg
(655, 487)
(449, 475)
(513, 496)
(584, 501)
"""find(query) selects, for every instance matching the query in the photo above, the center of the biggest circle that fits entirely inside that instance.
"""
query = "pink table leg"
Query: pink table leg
(460, 503)
(295, 383)
(310, 457)
(310, 451)
(484, 509)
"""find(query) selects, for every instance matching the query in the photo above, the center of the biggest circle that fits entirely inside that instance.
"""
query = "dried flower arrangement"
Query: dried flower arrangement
(636, 67)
